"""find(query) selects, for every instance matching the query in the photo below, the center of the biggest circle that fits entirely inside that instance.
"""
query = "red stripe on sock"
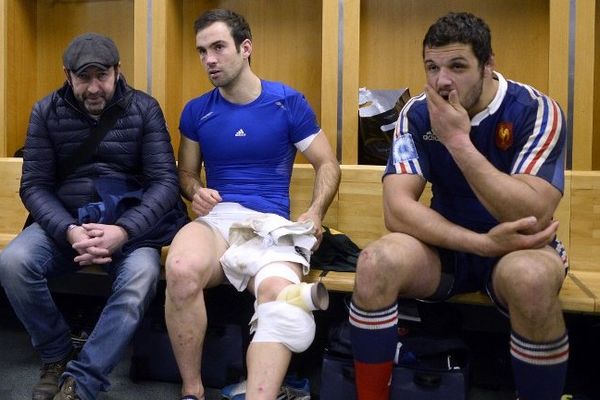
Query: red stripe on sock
(373, 380)
(541, 356)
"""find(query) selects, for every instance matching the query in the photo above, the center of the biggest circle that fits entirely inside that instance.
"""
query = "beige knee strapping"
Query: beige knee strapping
(308, 297)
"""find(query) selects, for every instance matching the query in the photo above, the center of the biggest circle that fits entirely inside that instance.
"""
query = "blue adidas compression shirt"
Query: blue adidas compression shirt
(248, 150)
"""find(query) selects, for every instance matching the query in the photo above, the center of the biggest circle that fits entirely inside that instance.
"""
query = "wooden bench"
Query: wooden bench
(357, 210)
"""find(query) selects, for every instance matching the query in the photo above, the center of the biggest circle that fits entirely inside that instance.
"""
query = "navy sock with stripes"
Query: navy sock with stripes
(374, 339)
(539, 369)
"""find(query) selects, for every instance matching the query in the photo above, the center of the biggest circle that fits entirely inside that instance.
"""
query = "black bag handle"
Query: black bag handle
(106, 123)
(428, 380)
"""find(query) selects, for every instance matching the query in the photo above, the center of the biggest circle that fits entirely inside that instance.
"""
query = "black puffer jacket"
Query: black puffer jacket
(138, 147)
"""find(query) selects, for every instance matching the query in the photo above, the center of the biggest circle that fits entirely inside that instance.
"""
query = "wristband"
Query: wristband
(71, 227)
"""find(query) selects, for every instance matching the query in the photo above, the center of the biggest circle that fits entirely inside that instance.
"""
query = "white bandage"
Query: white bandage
(280, 322)
(280, 270)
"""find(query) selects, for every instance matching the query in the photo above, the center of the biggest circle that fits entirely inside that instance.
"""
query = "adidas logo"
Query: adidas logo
(240, 133)
(430, 136)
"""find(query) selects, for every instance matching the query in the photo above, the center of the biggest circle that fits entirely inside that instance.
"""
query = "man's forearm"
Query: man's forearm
(327, 180)
(504, 196)
(189, 183)
(421, 222)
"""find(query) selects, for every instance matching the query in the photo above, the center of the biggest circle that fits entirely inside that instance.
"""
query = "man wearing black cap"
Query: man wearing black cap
(100, 183)
(92, 55)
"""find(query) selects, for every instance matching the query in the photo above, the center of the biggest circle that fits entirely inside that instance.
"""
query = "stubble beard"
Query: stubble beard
(96, 108)
(226, 80)
(473, 95)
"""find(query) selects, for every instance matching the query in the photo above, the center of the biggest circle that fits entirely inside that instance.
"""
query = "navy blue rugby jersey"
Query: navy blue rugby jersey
(522, 131)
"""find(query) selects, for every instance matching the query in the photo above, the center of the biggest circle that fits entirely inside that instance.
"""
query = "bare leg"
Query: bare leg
(527, 282)
(395, 265)
(267, 362)
(267, 365)
(192, 266)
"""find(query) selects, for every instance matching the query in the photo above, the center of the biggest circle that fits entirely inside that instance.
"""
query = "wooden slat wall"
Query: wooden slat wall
(36, 35)
(297, 42)
(3, 65)
(563, 213)
(360, 213)
(584, 250)
(301, 194)
(12, 210)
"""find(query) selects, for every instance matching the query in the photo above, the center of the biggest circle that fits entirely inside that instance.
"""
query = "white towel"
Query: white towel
(262, 240)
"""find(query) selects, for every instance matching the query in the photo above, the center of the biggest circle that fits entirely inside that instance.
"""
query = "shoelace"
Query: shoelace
(290, 393)
(52, 368)
(69, 390)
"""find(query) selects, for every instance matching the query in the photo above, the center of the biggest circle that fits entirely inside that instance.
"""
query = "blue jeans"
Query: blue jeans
(31, 258)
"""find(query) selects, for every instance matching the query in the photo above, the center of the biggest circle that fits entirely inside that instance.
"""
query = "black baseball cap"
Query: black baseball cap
(90, 49)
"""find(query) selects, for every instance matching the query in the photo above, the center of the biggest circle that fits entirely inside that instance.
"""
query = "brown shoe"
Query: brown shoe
(47, 386)
(67, 390)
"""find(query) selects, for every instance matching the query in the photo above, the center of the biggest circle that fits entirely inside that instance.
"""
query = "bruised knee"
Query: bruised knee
(186, 277)
(373, 271)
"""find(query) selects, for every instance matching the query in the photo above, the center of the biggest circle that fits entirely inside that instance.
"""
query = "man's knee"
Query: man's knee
(14, 262)
(371, 267)
(287, 320)
(285, 323)
(379, 270)
(186, 276)
(529, 283)
(139, 284)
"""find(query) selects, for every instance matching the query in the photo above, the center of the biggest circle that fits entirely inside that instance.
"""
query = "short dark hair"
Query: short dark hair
(463, 28)
(239, 28)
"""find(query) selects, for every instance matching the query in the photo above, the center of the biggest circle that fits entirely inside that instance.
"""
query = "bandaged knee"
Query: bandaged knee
(308, 297)
(281, 322)
(279, 270)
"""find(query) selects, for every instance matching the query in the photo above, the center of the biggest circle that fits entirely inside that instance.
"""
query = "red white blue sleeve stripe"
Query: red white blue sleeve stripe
(543, 138)
(406, 162)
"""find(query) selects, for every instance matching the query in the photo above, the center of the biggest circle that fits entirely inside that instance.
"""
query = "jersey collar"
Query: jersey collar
(494, 104)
